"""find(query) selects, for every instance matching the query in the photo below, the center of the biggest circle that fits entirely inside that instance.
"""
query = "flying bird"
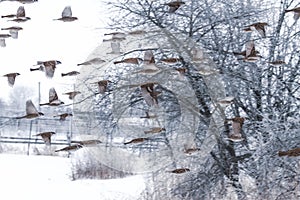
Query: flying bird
(237, 124)
(296, 12)
(87, 143)
(170, 60)
(135, 61)
(148, 116)
(149, 94)
(72, 73)
(66, 15)
(259, 27)
(2, 39)
(31, 111)
(174, 5)
(95, 61)
(72, 94)
(46, 136)
(47, 66)
(102, 86)
(136, 140)
(11, 77)
(250, 54)
(20, 13)
(62, 117)
(290, 153)
(53, 99)
(149, 60)
(71, 148)
(190, 150)
(277, 62)
(155, 130)
(13, 31)
(179, 170)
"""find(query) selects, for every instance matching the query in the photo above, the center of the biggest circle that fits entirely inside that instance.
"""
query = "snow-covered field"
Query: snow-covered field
(47, 177)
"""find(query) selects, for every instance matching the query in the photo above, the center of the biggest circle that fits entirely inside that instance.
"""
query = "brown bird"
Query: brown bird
(174, 5)
(149, 95)
(179, 170)
(148, 57)
(11, 77)
(88, 142)
(66, 15)
(47, 66)
(155, 130)
(62, 117)
(296, 12)
(46, 136)
(259, 27)
(31, 111)
(95, 61)
(13, 31)
(72, 94)
(190, 150)
(53, 99)
(277, 62)
(170, 60)
(102, 86)
(135, 61)
(250, 54)
(72, 73)
(136, 140)
(291, 153)
(71, 148)
(237, 124)
(148, 116)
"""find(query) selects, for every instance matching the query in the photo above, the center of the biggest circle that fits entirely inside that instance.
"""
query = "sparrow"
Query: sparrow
(136, 140)
(20, 16)
(31, 111)
(70, 148)
(155, 130)
(46, 136)
(66, 15)
(88, 142)
(296, 12)
(170, 60)
(149, 95)
(237, 124)
(53, 99)
(259, 27)
(292, 152)
(277, 62)
(47, 66)
(13, 31)
(72, 94)
(148, 116)
(72, 73)
(174, 5)
(11, 77)
(226, 101)
(102, 86)
(62, 117)
(179, 170)
(135, 61)
(92, 61)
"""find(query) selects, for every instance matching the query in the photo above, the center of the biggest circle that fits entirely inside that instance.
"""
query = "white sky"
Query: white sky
(43, 38)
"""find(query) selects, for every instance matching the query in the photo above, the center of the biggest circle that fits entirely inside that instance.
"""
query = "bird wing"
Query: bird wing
(49, 71)
(2, 42)
(52, 95)
(21, 12)
(250, 49)
(11, 80)
(67, 12)
(115, 46)
(261, 30)
(146, 94)
(236, 129)
(149, 57)
(296, 16)
(30, 108)
(102, 85)
(46, 137)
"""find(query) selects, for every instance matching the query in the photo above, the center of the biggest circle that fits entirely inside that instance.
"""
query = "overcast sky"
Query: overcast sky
(43, 38)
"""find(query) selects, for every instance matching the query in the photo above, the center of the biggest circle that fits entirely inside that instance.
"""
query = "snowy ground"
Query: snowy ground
(47, 177)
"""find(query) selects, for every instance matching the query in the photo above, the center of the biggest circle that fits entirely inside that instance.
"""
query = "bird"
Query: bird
(53, 99)
(170, 60)
(135, 61)
(181, 71)
(70, 148)
(277, 62)
(190, 150)
(148, 57)
(62, 117)
(237, 124)
(72, 73)
(4, 35)
(102, 86)
(46, 136)
(20, 13)
(290, 153)
(31, 111)
(296, 12)
(92, 61)
(179, 170)
(66, 15)
(88, 142)
(116, 35)
(174, 5)
(72, 94)
(155, 130)
(149, 95)
(48, 67)
(13, 31)
(249, 54)
(259, 27)
(136, 140)
(148, 116)
(11, 77)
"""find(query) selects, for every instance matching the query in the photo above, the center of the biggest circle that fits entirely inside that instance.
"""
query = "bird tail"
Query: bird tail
(43, 104)
(127, 143)
(117, 62)
(62, 74)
